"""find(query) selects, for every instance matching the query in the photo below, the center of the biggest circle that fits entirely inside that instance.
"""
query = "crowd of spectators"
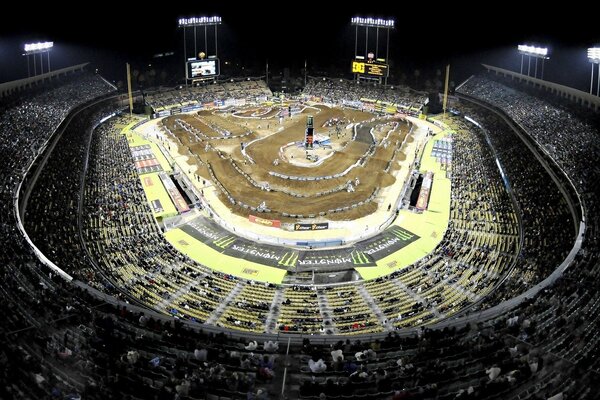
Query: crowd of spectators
(59, 341)
(543, 349)
(340, 91)
(571, 142)
(570, 136)
(544, 211)
(52, 214)
(206, 93)
(27, 122)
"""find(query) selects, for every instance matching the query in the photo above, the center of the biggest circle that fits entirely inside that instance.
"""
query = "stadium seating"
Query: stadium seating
(61, 340)
(340, 91)
(172, 98)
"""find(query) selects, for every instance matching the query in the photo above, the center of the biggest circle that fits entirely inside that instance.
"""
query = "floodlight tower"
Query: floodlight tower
(195, 22)
(594, 58)
(536, 53)
(31, 49)
(370, 57)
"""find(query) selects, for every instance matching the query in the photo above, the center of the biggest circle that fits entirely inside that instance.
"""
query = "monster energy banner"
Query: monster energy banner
(325, 259)
(319, 226)
(362, 254)
(341, 258)
(389, 241)
(212, 235)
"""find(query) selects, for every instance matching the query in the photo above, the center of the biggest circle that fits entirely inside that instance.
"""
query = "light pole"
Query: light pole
(537, 53)
(522, 56)
(594, 58)
(377, 23)
(31, 49)
(194, 22)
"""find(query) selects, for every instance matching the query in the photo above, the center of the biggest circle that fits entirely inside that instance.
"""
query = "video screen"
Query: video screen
(203, 68)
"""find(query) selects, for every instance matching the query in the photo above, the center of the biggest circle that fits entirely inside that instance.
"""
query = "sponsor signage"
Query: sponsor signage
(191, 108)
(362, 254)
(319, 226)
(256, 252)
(163, 113)
(274, 223)
(308, 261)
(370, 68)
(158, 208)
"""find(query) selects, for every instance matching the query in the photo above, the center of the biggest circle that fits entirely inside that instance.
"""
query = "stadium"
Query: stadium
(220, 239)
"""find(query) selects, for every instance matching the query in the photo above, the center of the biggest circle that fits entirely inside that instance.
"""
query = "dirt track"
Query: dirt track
(262, 112)
(264, 151)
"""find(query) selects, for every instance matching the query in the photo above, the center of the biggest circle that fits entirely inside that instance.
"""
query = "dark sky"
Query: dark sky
(285, 32)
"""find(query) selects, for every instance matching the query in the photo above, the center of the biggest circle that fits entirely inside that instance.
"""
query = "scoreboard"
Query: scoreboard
(202, 68)
(370, 69)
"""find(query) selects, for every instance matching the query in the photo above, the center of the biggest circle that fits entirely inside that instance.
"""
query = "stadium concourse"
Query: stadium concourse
(98, 305)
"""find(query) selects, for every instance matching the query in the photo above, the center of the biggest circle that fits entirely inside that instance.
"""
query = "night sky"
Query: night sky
(286, 33)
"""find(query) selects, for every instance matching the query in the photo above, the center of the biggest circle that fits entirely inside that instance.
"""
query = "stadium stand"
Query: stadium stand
(65, 339)
(340, 91)
(207, 93)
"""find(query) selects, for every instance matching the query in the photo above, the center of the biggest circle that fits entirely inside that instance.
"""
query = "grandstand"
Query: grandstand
(168, 99)
(119, 282)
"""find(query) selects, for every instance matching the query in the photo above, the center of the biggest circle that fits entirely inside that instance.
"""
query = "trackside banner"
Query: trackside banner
(275, 223)
(312, 227)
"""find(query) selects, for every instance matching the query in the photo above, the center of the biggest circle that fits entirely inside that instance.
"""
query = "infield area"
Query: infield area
(245, 163)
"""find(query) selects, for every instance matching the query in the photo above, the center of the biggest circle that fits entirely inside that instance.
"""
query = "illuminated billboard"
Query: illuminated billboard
(370, 68)
(202, 68)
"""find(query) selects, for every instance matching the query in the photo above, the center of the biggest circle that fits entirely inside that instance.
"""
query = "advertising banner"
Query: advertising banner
(274, 223)
(318, 226)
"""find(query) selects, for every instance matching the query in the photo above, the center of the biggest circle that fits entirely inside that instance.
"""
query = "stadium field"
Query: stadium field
(419, 232)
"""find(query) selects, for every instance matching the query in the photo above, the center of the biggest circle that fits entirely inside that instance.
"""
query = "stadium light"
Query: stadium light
(373, 22)
(38, 47)
(594, 54)
(199, 21)
(594, 57)
(533, 51)
(31, 49)
(365, 24)
(195, 22)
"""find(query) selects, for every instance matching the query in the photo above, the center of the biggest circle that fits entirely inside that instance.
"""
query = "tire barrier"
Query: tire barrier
(361, 161)
(335, 210)
(196, 132)
(389, 163)
(233, 201)
(249, 178)
(254, 183)
(224, 132)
